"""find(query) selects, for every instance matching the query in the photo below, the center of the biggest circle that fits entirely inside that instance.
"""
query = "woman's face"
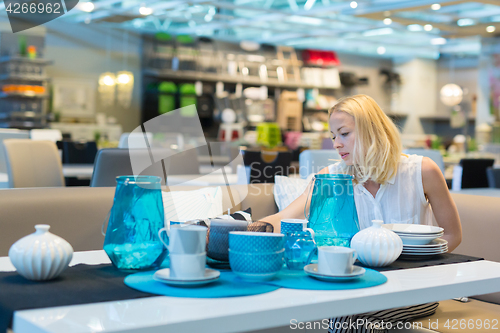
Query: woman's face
(342, 127)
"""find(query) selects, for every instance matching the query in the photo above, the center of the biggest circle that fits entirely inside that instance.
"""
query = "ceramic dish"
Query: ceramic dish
(312, 270)
(413, 228)
(163, 275)
(433, 244)
(409, 240)
(433, 249)
(423, 253)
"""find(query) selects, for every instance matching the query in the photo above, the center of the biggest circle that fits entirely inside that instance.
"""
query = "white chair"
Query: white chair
(313, 160)
(53, 135)
(33, 163)
(9, 134)
(434, 155)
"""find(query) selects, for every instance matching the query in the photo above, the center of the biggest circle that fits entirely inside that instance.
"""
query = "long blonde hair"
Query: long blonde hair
(377, 147)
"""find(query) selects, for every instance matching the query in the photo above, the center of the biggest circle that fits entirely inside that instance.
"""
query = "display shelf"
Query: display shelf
(21, 77)
(38, 61)
(213, 77)
(438, 118)
(23, 95)
(315, 110)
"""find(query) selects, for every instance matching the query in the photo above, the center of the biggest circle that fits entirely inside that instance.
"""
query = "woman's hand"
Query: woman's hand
(442, 204)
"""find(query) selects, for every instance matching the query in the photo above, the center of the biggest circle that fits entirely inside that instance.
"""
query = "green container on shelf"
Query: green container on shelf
(187, 97)
(269, 134)
(166, 97)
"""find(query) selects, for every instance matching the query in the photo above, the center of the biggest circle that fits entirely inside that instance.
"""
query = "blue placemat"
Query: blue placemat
(228, 285)
(300, 280)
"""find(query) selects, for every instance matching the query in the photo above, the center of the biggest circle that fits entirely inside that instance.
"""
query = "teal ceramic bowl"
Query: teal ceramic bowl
(256, 242)
(256, 266)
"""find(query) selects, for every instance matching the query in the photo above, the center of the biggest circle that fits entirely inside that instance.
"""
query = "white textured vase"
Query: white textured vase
(41, 255)
(377, 246)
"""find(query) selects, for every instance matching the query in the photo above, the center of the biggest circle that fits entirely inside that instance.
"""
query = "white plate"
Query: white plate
(409, 240)
(424, 253)
(312, 270)
(416, 256)
(418, 235)
(413, 228)
(425, 250)
(163, 275)
(436, 243)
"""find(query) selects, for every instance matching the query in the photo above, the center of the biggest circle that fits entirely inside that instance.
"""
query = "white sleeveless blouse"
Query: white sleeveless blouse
(401, 200)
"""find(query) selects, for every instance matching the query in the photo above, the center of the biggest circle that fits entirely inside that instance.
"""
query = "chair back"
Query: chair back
(9, 134)
(434, 155)
(113, 162)
(266, 164)
(474, 172)
(33, 163)
(313, 160)
(493, 176)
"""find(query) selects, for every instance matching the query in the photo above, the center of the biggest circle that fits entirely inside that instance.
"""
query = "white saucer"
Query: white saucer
(312, 270)
(163, 275)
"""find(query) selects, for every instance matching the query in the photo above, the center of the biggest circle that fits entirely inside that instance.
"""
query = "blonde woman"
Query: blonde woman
(388, 185)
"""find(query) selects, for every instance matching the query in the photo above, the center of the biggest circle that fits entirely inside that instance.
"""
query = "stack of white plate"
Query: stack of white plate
(437, 246)
(419, 240)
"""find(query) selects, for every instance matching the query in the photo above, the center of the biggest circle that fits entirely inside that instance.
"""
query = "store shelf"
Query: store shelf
(315, 110)
(441, 118)
(38, 61)
(5, 77)
(213, 77)
(23, 95)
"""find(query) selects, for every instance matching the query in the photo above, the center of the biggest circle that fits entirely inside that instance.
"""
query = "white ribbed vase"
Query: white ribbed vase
(377, 246)
(41, 255)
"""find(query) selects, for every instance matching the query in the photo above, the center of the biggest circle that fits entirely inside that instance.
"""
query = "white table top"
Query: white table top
(83, 171)
(277, 308)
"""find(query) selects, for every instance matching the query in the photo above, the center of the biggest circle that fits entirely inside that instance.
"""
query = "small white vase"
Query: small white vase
(377, 246)
(41, 255)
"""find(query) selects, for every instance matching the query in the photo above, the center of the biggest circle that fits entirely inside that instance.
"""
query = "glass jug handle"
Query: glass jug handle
(105, 224)
(307, 199)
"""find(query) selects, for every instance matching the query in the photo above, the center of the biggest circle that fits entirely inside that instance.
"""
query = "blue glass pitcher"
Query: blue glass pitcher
(332, 213)
(131, 241)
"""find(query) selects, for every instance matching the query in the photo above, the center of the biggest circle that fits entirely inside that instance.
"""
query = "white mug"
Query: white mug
(187, 266)
(185, 239)
(335, 260)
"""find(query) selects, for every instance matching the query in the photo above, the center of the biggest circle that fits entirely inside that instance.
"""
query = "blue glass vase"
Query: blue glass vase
(333, 215)
(131, 241)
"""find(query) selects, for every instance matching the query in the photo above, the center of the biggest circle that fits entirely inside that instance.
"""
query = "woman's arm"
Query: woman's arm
(442, 204)
(295, 210)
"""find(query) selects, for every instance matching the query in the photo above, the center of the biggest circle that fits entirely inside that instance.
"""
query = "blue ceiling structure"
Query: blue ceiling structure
(384, 28)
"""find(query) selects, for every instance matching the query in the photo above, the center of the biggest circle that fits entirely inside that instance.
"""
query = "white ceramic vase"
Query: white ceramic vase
(377, 246)
(41, 255)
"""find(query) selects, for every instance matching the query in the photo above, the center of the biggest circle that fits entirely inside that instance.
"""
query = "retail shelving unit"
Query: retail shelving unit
(21, 105)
